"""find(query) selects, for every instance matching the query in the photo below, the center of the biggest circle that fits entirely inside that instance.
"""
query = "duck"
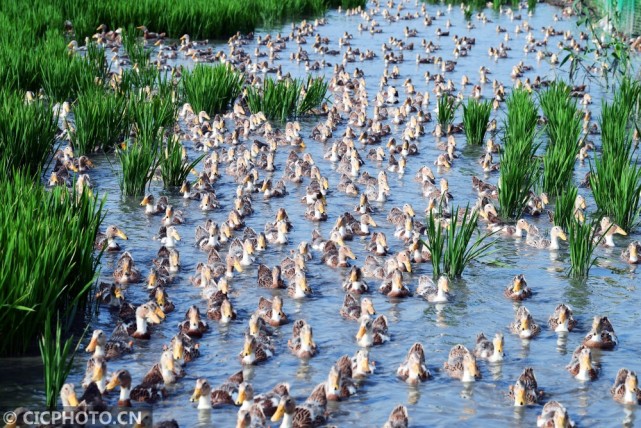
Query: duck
(208, 397)
(152, 208)
(299, 288)
(110, 295)
(525, 391)
(434, 293)
(270, 278)
(352, 309)
(144, 314)
(372, 331)
(99, 346)
(490, 350)
(193, 324)
(354, 282)
(461, 364)
(602, 335)
(172, 217)
(551, 244)
(171, 237)
(96, 373)
(396, 216)
(267, 402)
(277, 234)
(361, 365)
(159, 295)
(302, 342)
(554, 415)
(339, 384)
(253, 352)
(413, 371)
(562, 320)
(272, 311)
(518, 290)
(310, 414)
(337, 257)
(631, 253)
(626, 387)
(524, 325)
(378, 244)
(394, 287)
(316, 211)
(399, 418)
(581, 366)
(221, 311)
(607, 231)
(251, 417)
(90, 401)
(107, 241)
(361, 227)
(125, 272)
(163, 373)
(143, 393)
(184, 349)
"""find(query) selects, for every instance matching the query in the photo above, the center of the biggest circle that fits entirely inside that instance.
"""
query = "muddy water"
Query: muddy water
(478, 306)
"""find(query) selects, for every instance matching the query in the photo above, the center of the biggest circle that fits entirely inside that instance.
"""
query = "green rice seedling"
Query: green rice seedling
(468, 14)
(583, 239)
(522, 117)
(531, 5)
(446, 106)
(314, 93)
(57, 357)
(97, 59)
(138, 54)
(628, 95)
(37, 281)
(139, 159)
(100, 121)
(564, 207)
(212, 89)
(476, 116)
(277, 100)
(149, 114)
(27, 133)
(174, 165)
(450, 247)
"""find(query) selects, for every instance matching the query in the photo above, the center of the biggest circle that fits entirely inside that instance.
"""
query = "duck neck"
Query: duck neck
(125, 392)
(204, 403)
(168, 376)
(364, 228)
(467, 376)
(99, 351)
(288, 421)
(246, 260)
(141, 325)
(554, 242)
(609, 240)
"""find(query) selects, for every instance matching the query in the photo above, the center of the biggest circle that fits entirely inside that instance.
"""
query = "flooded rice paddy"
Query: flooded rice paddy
(478, 304)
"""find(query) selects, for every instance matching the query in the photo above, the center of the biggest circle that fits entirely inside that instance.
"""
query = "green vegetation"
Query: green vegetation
(174, 166)
(450, 247)
(446, 109)
(27, 133)
(139, 159)
(287, 98)
(520, 170)
(212, 89)
(564, 207)
(583, 239)
(563, 129)
(476, 116)
(100, 121)
(48, 258)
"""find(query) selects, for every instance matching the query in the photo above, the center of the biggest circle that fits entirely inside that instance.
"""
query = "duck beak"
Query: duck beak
(196, 395)
(176, 235)
(121, 234)
(519, 396)
(178, 350)
(365, 365)
(237, 266)
(408, 266)
(145, 201)
(241, 397)
(280, 411)
(92, 345)
(98, 373)
(159, 313)
(361, 332)
(73, 400)
(112, 383)
(154, 318)
(372, 222)
(563, 236)
(248, 349)
(620, 231)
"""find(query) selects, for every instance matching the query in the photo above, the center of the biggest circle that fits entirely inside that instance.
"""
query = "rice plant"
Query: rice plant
(139, 55)
(57, 357)
(615, 176)
(38, 280)
(583, 239)
(564, 207)
(286, 98)
(520, 170)
(563, 129)
(212, 89)
(139, 159)
(476, 116)
(27, 133)
(531, 5)
(174, 166)
(149, 114)
(454, 249)
(100, 121)
(446, 109)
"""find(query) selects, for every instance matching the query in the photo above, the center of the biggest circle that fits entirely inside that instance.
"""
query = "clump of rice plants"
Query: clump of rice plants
(174, 166)
(564, 210)
(615, 176)
(476, 116)
(583, 240)
(139, 55)
(212, 89)
(446, 109)
(286, 98)
(520, 170)
(38, 280)
(139, 159)
(57, 357)
(27, 132)
(563, 129)
(100, 121)
(148, 114)
(453, 248)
